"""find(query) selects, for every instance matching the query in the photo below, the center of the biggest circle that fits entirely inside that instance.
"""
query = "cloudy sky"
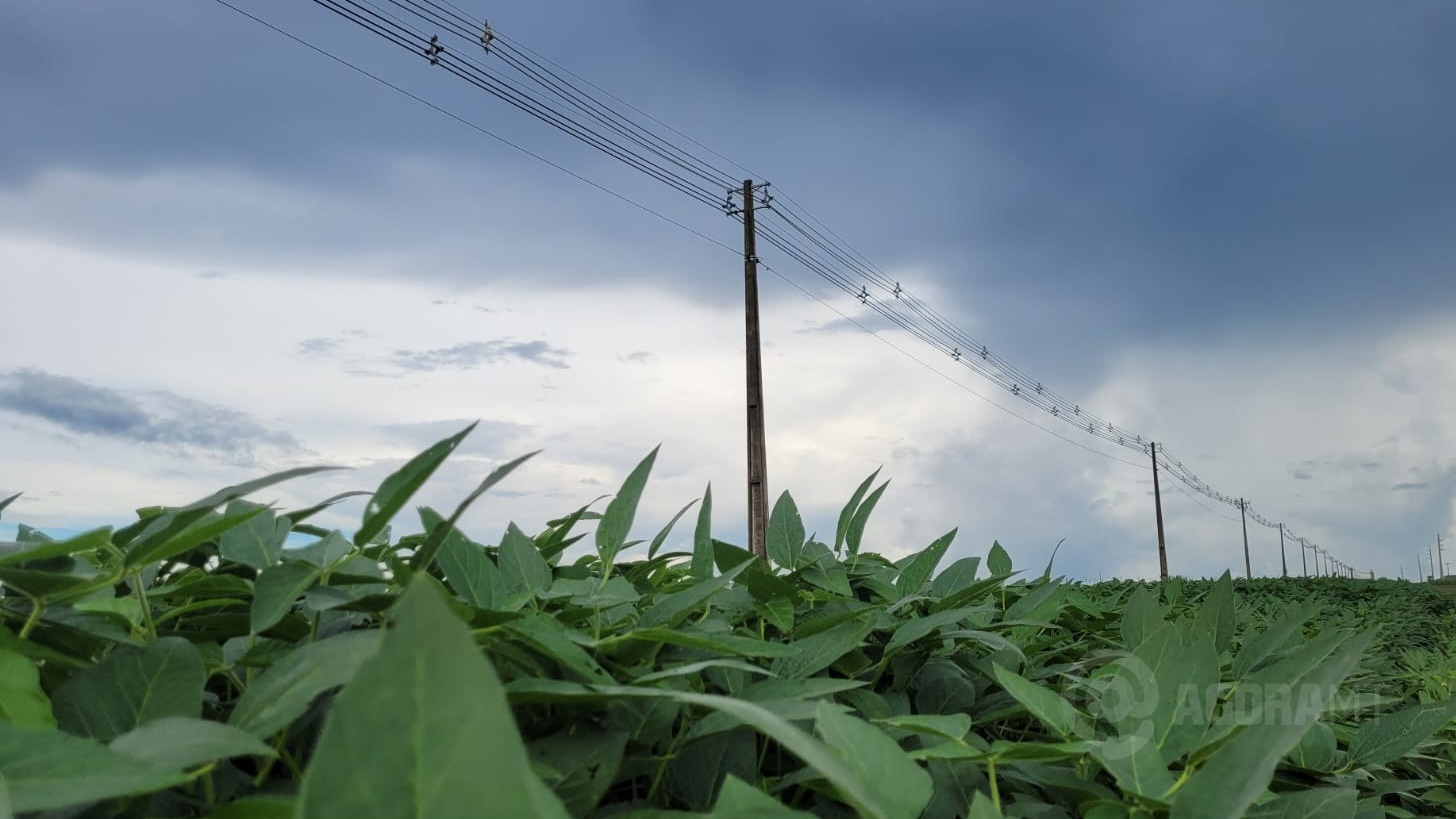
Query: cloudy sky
(1226, 226)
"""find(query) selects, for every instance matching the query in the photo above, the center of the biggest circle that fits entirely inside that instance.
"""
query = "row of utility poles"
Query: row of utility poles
(757, 448)
(1331, 567)
(1433, 562)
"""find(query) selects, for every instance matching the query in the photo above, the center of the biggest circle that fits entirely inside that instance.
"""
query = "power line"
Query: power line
(796, 233)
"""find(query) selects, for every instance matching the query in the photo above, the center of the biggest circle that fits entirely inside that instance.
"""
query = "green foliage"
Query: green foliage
(191, 665)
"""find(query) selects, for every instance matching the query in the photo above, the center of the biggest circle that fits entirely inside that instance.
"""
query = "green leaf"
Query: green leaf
(1140, 617)
(1136, 765)
(949, 726)
(396, 490)
(998, 562)
(5, 502)
(982, 807)
(1043, 703)
(1216, 614)
(919, 627)
(22, 701)
(1391, 736)
(854, 532)
(324, 552)
(1315, 803)
(426, 555)
(256, 542)
(84, 542)
(702, 564)
(452, 747)
(700, 765)
(672, 608)
(785, 538)
(814, 654)
(178, 743)
(913, 577)
(1316, 749)
(207, 527)
(44, 769)
(814, 753)
(903, 788)
(956, 576)
(587, 761)
(525, 572)
(547, 635)
(661, 536)
(616, 521)
(722, 643)
(283, 692)
(131, 687)
(1241, 769)
(846, 515)
(1257, 649)
(470, 571)
(739, 800)
(277, 589)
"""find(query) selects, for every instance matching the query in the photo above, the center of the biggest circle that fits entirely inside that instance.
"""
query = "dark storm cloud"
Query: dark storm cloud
(1102, 172)
(472, 354)
(154, 418)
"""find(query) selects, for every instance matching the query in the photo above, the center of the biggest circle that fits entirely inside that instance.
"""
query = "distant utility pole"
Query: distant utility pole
(1440, 558)
(1431, 561)
(1158, 509)
(757, 449)
(1303, 559)
(1283, 561)
(1248, 568)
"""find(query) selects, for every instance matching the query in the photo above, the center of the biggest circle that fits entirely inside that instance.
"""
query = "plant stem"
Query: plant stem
(141, 592)
(36, 608)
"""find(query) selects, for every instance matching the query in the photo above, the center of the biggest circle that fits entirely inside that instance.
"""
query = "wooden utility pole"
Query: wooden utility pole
(1158, 509)
(1303, 558)
(1283, 561)
(757, 450)
(1440, 558)
(1248, 568)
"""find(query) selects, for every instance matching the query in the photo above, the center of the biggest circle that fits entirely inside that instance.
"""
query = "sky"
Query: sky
(1224, 225)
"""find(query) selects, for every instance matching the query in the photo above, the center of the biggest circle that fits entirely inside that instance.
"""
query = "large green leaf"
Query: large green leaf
(282, 693)
(277, 589)
(841, 531)
(525, 572)
(814, 654)
(616, 522)
(903, 787)
(452, 746)
(401, 485)
(22, 701)
(1315, 803)
(1141, 616)
(1241, 769)
(131, 687)
(915, 574)
(587, 762)
(1137, 766)
(469, 570)
(661, 536)
(45, 769)
(1043, 703)
(1216, 613)
(177, 743)
(998, 561)
(437, 534)
(1391, 736)
(257, 541)
(701, 567)
(84, 542)
(785, 537)
(854, 532)
(814, 753)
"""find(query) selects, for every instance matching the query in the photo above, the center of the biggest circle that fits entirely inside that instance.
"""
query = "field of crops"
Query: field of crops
(188, 665)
